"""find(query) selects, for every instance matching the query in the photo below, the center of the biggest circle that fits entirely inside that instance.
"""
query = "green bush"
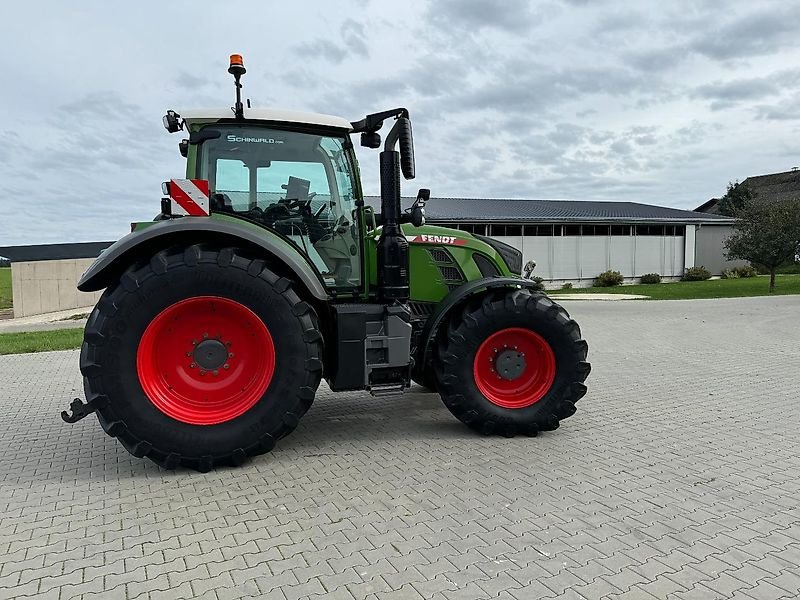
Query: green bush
(538, 284)
(651, 278)
(696, 274)
(729, 274)
(609, 279)
(745, 271)
(566, 286)
(792, 268)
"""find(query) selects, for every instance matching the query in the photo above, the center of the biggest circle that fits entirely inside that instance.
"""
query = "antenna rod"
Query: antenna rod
(237, 69)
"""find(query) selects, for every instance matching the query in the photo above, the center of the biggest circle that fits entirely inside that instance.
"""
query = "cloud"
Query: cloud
(525, 87)
(352, 34)
(785, 110)
(322, 50)
(192, 82)
(564, 99)
(755, 33)
(724, 94)
(512, 16)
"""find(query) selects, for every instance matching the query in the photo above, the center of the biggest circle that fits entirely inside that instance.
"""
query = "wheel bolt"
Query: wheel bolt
(202, 372)
(194, 342)
(193, 365)
(215, 372)
(230, 354)
(188, 354)
(205, 336)
(226, 366)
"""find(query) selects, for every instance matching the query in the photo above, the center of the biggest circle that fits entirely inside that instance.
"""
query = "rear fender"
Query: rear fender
(455, 300)
(186, 231)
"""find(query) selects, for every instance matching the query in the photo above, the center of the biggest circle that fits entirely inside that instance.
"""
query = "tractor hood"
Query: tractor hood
(444, 236)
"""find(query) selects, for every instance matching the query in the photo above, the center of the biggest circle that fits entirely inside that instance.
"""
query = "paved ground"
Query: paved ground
(679, 477)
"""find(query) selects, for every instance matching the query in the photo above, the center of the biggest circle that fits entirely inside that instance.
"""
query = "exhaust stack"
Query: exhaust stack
(393, 245)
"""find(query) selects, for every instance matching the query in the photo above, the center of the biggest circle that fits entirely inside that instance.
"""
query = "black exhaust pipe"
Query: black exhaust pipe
(392, 245)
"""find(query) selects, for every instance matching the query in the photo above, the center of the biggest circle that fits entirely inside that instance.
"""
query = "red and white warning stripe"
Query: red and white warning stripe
(189, 197)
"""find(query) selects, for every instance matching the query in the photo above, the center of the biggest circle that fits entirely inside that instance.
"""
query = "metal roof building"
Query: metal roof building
(493, 210)
(770, 187)
(576, 240)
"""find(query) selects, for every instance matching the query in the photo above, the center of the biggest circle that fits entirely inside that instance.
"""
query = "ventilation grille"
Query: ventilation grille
(451, 274)
(440, 255)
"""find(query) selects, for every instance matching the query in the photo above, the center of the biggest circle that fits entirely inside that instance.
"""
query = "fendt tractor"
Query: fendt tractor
(266, 271)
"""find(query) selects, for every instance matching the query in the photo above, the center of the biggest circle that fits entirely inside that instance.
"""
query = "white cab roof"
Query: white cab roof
(266, 114)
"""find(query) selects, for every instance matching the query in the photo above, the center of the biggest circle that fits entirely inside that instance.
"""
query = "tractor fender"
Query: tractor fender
(455, 299)
(110, 265)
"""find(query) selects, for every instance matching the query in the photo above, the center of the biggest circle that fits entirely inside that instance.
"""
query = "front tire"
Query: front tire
(512, 363)
(201, 357)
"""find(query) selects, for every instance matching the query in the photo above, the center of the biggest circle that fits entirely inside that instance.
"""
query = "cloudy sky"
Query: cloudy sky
(654, 102)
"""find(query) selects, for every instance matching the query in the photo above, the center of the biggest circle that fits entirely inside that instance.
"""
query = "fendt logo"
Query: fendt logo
(436, 239)
(253, 140)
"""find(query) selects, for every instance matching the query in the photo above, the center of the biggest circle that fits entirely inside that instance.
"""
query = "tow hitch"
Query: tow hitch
(80, 409)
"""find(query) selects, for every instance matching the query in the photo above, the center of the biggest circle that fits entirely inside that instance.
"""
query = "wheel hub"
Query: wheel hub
(514, 367)
(210, 354)
(186, 363)
(510, 364)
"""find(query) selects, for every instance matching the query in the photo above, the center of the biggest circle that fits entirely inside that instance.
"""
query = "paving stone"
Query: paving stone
(669, 482)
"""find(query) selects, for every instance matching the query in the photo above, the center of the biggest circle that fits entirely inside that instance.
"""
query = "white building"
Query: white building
(575, 241)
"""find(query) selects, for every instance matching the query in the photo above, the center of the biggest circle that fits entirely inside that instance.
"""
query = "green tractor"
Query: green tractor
(266, 271)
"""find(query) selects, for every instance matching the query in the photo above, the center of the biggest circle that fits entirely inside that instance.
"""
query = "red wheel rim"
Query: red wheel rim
(205, 360)
(514, 367)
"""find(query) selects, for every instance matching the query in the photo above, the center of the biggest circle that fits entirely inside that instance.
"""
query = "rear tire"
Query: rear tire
(134, 341)
(543, 360)
(424, 377)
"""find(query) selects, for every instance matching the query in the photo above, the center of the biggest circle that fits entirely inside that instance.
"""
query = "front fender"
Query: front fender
(110, 265)
(455, 299)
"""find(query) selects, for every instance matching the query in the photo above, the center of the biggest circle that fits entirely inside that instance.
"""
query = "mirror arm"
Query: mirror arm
(372, 123)
(392, 137)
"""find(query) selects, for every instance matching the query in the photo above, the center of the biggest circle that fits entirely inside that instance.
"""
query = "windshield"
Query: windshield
(298, 184)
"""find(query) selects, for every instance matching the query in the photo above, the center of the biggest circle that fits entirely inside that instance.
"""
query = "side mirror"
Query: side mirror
(406, 147)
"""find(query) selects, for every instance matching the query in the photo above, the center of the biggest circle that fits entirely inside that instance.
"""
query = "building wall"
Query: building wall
(48, 286)
(710, 249)
(575, 258)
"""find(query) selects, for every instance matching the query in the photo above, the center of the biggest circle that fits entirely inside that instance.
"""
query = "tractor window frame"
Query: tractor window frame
(357, 280)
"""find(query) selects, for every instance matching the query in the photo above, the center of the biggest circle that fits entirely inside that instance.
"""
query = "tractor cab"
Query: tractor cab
(294, 173)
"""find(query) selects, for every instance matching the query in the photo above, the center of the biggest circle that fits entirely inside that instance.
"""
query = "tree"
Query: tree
(737, 197)
(766, 233)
